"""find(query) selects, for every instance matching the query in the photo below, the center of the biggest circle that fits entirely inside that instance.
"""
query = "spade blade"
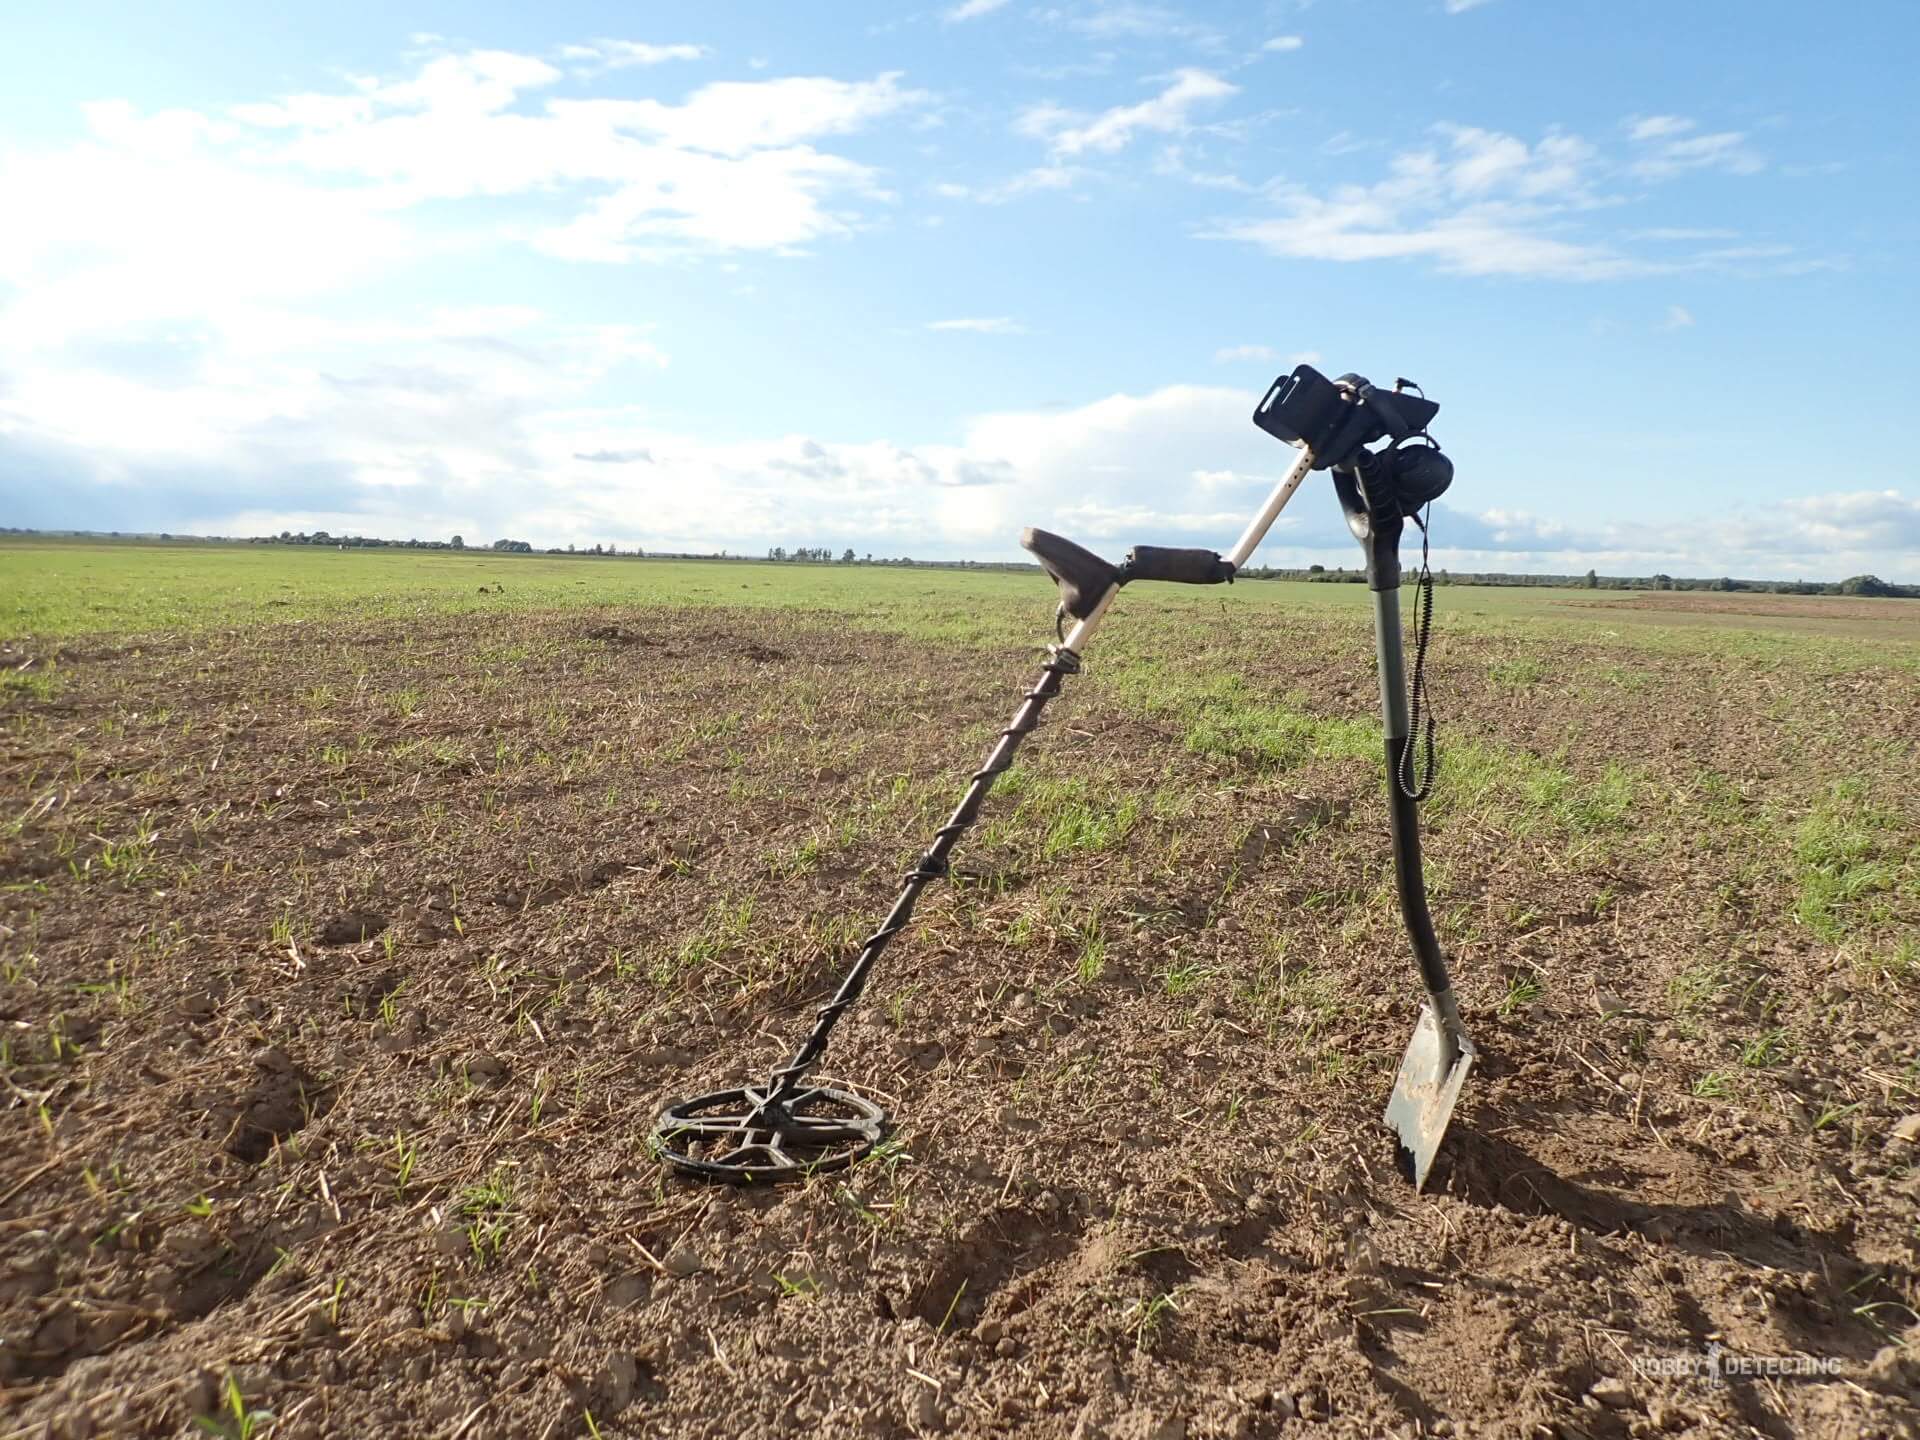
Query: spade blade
(1431, 1074)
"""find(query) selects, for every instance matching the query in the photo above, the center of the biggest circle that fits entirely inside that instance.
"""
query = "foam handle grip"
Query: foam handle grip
(1183, 567)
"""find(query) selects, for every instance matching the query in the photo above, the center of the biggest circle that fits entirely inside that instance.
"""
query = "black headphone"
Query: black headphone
(1403, 479)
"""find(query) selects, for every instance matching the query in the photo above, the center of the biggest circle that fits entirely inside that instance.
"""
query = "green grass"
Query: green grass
(1522, 992)
(237, 1420)
(1766, 1049)
(1070, 816)
(1519, 673)
(1307, 999)
(33, 684)
(1522, 793)
(1279, 738)
(1713, 1085)
(1898, 965)
(1224, 717)
(1092, 961)
(722, 931)
(1849, 858)
(51, 588)
(487, 1208)
(1695, 988)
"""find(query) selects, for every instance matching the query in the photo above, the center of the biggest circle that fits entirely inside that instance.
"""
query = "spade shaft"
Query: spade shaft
(1408, 873)
(1437, 1058)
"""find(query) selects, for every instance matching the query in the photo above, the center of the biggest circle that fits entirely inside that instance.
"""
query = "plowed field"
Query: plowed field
(348, 959)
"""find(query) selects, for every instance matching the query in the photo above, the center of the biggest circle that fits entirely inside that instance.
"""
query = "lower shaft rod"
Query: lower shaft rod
(1061, 662)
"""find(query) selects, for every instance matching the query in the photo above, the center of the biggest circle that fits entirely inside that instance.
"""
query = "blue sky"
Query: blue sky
(907, 279)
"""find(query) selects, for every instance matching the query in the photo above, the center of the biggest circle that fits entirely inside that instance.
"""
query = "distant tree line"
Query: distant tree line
(1867, 585)
(1856, 585)
(823, 555)
(809, 555)
(353, 542)
(374, 542)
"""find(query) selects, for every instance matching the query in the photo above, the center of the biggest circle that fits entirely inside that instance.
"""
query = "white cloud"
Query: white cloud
(1134, 20)
(1283, 44)
(1480, 202)
(484, 441)
(768, 199)
(1345, 142)
(973, 10)
(477, 82)
(177, 287)
(623, 54)
(1027, 182)
(1861, 522)
(1211, 480)
(1669, 148)
(417, 445)
(1656, 127)
(1168, 113)
(1099, 471)
(368, 401)
(1264, 355)
(733, 117)
(735, 165)
(1459, 7)
(1683, 232)
(1172, 162)
(1812, 536)
(1678, 318)
(982, 325)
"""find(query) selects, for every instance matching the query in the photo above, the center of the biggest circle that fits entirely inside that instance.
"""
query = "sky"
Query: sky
(907, 278)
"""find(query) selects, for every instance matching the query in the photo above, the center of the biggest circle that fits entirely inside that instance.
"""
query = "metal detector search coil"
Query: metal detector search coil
(737, 1135)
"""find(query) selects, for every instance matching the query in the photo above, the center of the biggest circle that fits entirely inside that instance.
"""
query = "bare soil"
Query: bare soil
(346, 973)
(1820, 607)
(1897, 621)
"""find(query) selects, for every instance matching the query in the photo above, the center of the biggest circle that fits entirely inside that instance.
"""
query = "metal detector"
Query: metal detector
(787, 1129)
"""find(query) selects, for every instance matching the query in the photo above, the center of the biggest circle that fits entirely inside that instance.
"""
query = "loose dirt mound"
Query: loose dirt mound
(345, 975)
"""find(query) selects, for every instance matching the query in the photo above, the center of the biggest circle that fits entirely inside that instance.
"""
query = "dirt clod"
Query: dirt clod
(1612, 1392)
(349, 927)
(1894, 1368)
(923, 1407)
(683, 1261)
(481, 1068)
(627, 1290)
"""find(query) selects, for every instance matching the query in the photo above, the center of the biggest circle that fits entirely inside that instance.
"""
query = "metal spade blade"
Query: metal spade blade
(1431, 1074)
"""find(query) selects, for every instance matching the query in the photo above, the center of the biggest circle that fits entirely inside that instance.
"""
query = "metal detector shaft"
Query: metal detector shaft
(1062, 660)
(787, 1129)
(1276, 502)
